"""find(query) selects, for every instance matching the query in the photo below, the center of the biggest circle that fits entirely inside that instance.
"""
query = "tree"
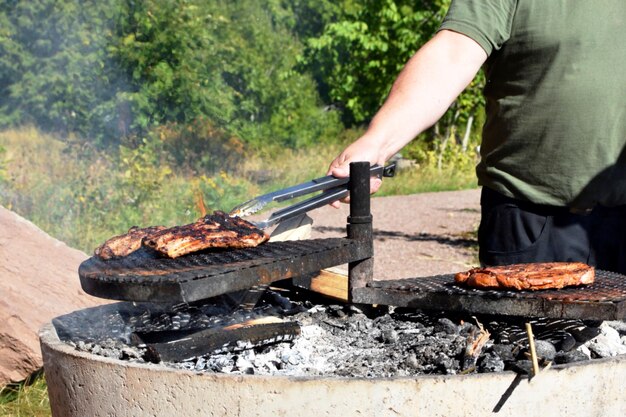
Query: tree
(53, 64)
(356, 59)
(113, 70)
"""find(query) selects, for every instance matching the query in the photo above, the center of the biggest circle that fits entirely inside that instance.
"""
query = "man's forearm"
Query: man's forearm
(426, 87)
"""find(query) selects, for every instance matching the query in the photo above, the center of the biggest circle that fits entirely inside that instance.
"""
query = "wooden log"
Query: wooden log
(331, 282)
(475, 342)
(176, 346)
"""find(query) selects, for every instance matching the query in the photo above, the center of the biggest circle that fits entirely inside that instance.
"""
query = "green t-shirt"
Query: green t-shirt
(556, 97)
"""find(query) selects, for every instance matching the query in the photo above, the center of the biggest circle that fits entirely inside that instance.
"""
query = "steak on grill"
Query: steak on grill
(217, 230)
(535, 276)
(124, 245)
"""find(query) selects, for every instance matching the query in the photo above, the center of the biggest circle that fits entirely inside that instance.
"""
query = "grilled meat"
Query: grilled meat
(124, 245)
(537, 276)
(217, 230)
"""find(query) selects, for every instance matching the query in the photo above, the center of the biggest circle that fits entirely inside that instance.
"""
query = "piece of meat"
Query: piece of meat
(124, 245)
(217, 230)
(535, 276)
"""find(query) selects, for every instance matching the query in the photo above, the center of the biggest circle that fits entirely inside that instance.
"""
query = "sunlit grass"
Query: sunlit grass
(29, 399)
(428, 179)
(82, 195)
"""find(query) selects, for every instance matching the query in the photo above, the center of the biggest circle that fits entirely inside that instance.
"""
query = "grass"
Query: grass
(28, 399)
(82, 195)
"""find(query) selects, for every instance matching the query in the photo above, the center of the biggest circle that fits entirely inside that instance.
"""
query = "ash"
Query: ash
(346, 340)
(343, 341)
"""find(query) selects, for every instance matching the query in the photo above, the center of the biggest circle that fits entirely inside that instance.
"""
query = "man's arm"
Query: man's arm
(429, 83)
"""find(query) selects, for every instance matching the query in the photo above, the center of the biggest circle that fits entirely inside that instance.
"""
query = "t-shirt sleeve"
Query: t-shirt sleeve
(488, 22)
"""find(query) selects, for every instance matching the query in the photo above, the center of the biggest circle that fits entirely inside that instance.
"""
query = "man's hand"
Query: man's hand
(358, 151)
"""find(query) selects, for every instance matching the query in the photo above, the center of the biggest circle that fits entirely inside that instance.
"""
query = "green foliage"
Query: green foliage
(83, 195)
(358, 57)
(116, 69)
(53, 64)
(143, 172)
(272, 103)
(199, 147)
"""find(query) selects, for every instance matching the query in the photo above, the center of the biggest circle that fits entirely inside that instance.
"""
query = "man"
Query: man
(553, 155)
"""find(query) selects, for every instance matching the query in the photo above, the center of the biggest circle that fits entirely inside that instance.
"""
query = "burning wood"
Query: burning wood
(181, 345)
(475, 342)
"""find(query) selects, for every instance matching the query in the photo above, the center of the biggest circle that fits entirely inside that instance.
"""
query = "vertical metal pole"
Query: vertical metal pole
(360, 225)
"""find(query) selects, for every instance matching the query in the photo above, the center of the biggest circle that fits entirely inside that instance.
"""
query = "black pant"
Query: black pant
(514, 231)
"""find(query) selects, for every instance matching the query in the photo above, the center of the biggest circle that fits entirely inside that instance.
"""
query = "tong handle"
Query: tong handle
(318, 184)
(339, 191)
(327, 182)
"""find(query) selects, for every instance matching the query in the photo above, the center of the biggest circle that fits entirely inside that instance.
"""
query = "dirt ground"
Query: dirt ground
(417, 235)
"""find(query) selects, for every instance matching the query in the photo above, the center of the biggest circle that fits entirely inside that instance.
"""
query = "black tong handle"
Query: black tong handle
(339, 191)
(327, 183)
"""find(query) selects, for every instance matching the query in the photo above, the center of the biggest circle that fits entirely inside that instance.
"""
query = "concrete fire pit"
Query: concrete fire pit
(82, 384)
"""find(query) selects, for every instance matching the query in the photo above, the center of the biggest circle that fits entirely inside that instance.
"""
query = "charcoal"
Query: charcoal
(411, 362)
(571, 356)
(503, 351)
(467, 328)
(606, 344)
(545, 350)
(567, 343)
(523, 366)
(243, 364)
(583, 334)
(592, 323)
(446, 325)
(277, 299)
(447, 364)
(490, 362)
(130, 353)
(336, 311)
(389, 336)
(340, 339)
(618, 325)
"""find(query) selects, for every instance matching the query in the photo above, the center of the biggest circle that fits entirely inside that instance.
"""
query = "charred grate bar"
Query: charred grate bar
(143, 276)
(605, 299)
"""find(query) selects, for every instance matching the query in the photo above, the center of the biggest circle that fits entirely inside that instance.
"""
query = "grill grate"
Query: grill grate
(605, 299)
(143, 276)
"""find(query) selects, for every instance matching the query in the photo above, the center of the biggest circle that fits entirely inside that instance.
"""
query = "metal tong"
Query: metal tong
(332, 188)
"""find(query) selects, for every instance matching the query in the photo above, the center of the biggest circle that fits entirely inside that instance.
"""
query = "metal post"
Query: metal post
(360, 225)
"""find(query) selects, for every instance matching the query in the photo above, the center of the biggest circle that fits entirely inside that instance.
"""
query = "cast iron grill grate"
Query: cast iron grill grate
(605, 299)
(143, 276)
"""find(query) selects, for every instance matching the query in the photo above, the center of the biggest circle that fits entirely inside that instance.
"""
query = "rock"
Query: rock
(38, 281)
(607, 343)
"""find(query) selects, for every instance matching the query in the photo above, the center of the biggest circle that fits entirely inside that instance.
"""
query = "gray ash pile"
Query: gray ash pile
(338, 339)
